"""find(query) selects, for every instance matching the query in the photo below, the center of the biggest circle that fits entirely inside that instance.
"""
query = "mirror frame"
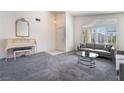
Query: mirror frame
(23, 20)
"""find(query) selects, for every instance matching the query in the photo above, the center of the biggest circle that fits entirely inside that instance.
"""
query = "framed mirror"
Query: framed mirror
(22, 28)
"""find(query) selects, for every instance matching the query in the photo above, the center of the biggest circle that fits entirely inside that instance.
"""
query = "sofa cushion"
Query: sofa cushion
(104, 52)
(99, 46)
(90, 45)
(101, 51)
(86, 49)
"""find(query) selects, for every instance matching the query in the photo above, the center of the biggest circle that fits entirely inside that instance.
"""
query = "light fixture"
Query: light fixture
(54, 21)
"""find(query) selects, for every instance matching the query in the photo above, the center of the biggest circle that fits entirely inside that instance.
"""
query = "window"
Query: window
(100, 34)
(111, 35)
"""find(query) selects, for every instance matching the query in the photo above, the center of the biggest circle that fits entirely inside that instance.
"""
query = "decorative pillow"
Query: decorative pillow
(108, 48)
(82, 45)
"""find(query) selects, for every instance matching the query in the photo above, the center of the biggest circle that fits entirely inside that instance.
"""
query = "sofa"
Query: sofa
(106, 51)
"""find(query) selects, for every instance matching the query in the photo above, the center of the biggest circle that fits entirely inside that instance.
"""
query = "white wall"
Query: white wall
(43, 31)
(69, 33)
(60, 31)
(83, 20)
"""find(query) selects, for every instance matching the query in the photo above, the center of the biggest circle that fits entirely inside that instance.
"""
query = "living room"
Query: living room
(61, 46)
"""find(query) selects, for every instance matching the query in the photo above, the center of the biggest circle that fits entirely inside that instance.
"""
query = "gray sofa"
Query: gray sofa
(103, 50)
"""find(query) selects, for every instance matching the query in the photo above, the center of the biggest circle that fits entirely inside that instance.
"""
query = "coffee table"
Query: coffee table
(87, 58)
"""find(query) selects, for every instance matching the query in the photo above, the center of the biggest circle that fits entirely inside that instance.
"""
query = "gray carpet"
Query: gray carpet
(63, 67)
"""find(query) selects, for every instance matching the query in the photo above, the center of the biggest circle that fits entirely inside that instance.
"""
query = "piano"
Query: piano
(19, 44)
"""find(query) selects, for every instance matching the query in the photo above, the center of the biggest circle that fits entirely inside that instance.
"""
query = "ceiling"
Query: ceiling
(88, 13)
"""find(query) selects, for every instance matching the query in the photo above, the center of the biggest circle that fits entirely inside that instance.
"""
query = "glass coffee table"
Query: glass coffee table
(87, 58)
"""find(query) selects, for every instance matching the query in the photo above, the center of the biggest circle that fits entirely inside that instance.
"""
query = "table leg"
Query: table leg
(6, 59)
(14, 55)
(93, 63)
(78, 60)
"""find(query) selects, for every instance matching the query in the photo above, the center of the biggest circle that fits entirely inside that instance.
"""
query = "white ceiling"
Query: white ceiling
(86, 13)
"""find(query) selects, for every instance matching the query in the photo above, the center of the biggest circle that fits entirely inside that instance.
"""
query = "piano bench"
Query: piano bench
(21, 51)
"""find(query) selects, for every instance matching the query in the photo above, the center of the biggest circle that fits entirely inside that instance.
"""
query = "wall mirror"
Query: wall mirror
(22, 28)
